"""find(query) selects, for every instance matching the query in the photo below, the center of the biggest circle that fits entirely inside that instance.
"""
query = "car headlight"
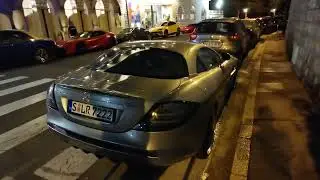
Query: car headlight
(51, 102)
(165, 116)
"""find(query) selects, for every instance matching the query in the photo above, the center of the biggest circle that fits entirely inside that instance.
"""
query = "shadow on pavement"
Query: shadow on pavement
(313, 124)
(139, 171)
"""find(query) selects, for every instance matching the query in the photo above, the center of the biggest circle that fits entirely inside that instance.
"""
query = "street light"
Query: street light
(245, 10)
(219, 4)
(273, 11)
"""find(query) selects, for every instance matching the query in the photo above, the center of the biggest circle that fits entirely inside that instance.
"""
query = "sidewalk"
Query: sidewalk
(277, 138)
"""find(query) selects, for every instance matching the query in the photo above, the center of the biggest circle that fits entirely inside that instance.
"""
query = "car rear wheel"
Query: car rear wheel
(41, 55)
(178, 32)
(208, 142)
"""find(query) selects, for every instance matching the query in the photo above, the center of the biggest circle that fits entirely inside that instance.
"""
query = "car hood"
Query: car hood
(155, 29)
(149, 89)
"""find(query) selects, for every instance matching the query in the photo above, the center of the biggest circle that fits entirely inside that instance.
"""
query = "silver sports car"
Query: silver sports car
(156, 101)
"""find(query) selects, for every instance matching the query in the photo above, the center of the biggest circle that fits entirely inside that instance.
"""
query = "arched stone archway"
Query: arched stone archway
(4, 22)
(180, 13)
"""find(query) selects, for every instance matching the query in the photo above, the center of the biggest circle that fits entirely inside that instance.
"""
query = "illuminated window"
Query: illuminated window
(70, 7)
(180, 13)
(49, 5)
(29, 6)
(192, 14)
(99, 8)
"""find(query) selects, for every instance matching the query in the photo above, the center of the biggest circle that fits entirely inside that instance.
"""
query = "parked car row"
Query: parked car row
(106, 108)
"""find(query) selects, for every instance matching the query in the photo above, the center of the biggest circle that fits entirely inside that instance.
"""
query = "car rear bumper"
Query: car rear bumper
(156, 148)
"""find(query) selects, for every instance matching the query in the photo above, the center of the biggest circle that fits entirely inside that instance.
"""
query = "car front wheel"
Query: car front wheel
(178, 32)
(41, 55)
(208, 142)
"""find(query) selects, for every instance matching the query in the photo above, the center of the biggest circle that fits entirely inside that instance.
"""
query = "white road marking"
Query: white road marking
(8, 108)
(20, 134)
(68, 165)
(24, 86)
(12, 79)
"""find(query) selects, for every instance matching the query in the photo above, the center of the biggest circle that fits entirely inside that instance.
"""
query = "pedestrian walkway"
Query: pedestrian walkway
(277, 139)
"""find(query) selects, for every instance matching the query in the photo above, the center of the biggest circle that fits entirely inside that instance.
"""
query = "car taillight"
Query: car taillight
(51, 102)
(165, 116)
(193, 35)
(235, 37)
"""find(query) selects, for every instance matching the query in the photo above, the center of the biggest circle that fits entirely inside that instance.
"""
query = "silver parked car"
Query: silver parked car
(228, 35)
(148, 100)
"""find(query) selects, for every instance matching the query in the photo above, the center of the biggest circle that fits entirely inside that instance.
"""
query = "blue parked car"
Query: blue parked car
(17, 47)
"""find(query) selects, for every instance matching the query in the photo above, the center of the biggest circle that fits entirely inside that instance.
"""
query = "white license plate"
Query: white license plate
(92, 111)
(213, 43)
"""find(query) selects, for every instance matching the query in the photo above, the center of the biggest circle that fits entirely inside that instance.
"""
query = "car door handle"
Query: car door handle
(233, 72)
(222, 67)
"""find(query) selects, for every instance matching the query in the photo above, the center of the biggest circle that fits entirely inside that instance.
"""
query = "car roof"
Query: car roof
(228, 20)
(180, 47)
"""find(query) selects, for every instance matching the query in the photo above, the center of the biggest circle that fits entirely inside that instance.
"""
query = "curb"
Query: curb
(241, 160)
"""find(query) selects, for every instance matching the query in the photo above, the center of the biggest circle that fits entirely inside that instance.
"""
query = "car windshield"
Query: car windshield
(126, 30)
(85, 34)
(216, 28)
(143, 62)
(250, 24)
(164, 24)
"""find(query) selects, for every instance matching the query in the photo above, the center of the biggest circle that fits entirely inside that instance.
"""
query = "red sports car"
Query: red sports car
(188, 29)
(88, 40)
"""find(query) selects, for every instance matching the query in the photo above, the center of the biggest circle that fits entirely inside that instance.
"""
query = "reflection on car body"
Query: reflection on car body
(164, 97)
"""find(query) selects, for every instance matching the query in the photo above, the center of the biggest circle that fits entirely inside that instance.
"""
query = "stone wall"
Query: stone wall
(303, 41)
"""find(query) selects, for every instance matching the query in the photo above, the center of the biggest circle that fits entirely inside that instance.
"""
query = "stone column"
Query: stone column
(4, 22)
(18, 19)
(124, 15)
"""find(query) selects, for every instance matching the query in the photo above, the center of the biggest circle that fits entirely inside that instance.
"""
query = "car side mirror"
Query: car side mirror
(225, 56)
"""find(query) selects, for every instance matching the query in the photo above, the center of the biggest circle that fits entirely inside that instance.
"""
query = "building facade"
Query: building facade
(147, 13)
(52, 18)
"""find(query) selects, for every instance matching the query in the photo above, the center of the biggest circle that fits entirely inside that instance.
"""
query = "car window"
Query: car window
(97, 33)
(86, 34)
(207, 59)
(14, 37)
(216, 28)
(171, 23)
(164, 24)
(152, 63)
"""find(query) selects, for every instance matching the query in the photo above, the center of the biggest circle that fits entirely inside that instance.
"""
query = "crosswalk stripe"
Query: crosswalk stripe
(68, 165)
(12, 79)
(24, 86)
(22, 133)
(13, 106)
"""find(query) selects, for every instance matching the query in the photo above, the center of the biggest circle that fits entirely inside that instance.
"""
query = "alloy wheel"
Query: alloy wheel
(42, 55)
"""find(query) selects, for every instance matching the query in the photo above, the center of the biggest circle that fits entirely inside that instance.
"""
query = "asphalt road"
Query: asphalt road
(29, 151)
